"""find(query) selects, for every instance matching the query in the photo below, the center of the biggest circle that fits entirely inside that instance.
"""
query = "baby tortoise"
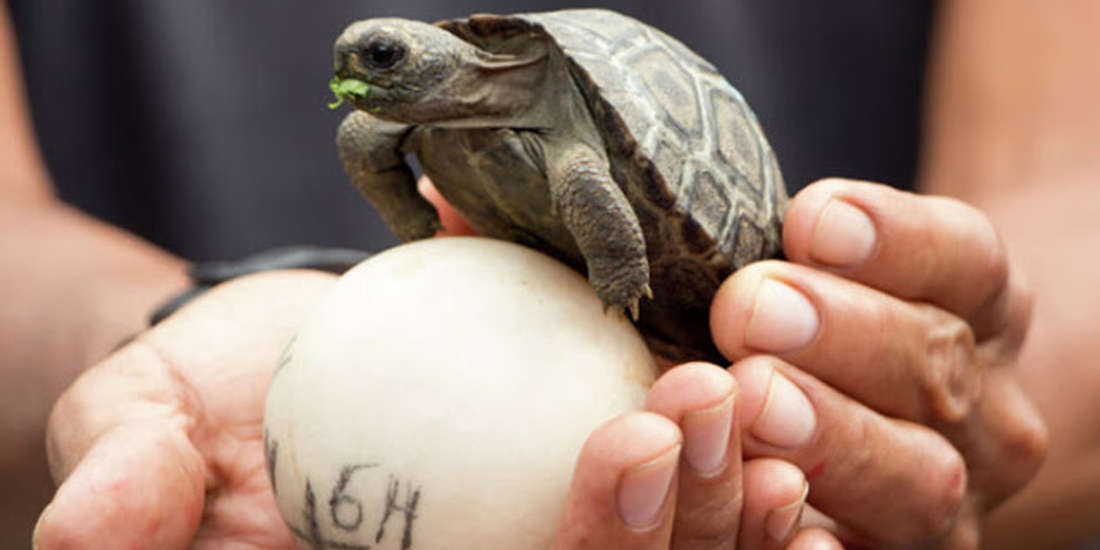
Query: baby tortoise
(583, 133)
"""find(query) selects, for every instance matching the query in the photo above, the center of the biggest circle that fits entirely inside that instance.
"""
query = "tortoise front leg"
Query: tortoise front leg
(371, 152)
(603, 224)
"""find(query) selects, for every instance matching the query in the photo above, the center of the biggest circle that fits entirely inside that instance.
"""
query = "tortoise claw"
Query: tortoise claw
(632, 306)
(622, 287)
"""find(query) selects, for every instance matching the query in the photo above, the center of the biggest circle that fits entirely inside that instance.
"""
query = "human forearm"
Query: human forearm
(1014, 127)
(1012, 98)
(22, 174)
(72, 289)
(1051, 232)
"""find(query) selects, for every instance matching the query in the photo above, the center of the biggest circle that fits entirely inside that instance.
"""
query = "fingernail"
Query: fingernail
(783, 319)
(707, 437)
(787, 419)
(844, 235)
(644, 488)
(781, 521)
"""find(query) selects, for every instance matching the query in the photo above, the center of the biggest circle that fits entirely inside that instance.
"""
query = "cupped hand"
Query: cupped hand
(673, 477)
(880, 360)
(160, 446)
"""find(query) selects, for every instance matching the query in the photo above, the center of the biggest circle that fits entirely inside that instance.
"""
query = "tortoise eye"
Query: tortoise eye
(384, 53)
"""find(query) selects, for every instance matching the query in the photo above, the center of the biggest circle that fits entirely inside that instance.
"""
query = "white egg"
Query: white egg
(438, 399)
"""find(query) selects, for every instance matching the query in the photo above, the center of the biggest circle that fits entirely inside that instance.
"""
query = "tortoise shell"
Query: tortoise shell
(685, 148)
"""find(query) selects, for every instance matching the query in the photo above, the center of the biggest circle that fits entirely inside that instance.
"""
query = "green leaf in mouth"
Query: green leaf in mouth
(345, 88)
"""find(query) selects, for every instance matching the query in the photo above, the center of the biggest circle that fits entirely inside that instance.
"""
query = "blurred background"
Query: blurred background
(202, 125)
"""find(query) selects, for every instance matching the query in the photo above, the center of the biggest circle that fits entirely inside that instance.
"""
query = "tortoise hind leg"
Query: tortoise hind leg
(371, 152)
(602, 222)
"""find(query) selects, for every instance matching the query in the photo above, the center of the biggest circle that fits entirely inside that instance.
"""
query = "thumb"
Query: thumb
(131, 476)
(453, 223)
(623, 494)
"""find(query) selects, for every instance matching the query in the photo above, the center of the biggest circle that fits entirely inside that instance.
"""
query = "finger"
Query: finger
(624, 486)
(888, 480)
(775, 495)
(453, 222)
(1004, 441)
(912, 361)
(814, 539)
(130, 474)
(701, 399)
(934, 249)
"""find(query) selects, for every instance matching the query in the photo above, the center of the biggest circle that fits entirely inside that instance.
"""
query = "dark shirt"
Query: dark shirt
(202, 125)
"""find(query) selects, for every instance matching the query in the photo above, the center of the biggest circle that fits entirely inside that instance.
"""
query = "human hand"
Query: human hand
(892, 335)
(723, 503)
(163, 441)
(160, 444)
(673, 477)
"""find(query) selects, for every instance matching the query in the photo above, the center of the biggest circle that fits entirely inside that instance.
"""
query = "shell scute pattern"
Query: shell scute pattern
(612, 31)
(708, 202)
(671, 86)
(737, 146)
(682, 145)
(750, 241)
(688, 129)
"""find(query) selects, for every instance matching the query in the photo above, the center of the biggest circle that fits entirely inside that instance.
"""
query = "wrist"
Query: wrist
(119, 307)
(206, 275)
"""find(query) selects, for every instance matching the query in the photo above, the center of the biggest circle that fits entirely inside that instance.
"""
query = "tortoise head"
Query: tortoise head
(417, 73)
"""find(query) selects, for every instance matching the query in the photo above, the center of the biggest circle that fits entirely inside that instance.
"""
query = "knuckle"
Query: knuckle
(981, 256)
(947, 485)
(1025, 295)
(1025, 447)
(1025, 291)
(1032, 443)
(948, 382)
